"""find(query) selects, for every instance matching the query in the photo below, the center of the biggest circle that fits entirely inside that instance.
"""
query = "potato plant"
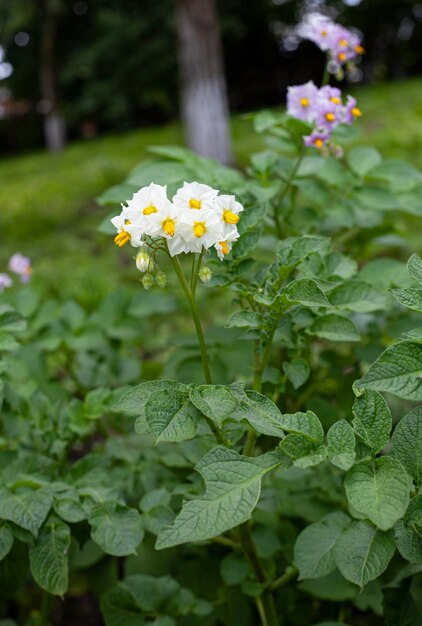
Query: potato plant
(238, 440)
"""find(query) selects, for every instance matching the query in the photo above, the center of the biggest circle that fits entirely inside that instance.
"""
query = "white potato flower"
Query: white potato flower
(224, 246)
(126, 231)
(195, 196)
(164, 223)
(145, 203)
(198, 230)
(229, 209)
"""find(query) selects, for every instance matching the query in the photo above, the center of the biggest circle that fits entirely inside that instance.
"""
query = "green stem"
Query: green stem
(286, 189)
(325, 75)
(46, 603)
(290, 573)
(201, 340)
(266, 603)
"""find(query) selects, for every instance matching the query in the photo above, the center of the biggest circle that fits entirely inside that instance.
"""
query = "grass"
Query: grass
(47, 201)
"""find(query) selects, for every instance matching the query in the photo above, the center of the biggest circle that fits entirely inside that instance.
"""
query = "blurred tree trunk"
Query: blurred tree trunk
(54, 127)
(204, 104)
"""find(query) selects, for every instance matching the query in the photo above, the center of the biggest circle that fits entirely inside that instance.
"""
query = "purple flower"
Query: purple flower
(351, 111)
(302, 100)
(317, 28)
(5, 282)
(328, 115)
(317, 139)
(21, 265)
(330, 94)
(342, 44)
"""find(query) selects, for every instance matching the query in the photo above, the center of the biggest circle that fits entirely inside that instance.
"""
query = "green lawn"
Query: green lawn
(47, 202)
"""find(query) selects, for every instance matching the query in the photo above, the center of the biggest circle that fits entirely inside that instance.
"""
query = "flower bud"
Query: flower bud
(161, 279)
(147, 281)
(205, 274)
(144, 263)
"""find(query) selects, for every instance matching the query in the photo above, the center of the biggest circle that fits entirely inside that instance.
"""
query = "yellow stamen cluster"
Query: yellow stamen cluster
(359, 49)
(224, 247)
(122, 238)
(194, 204)
(199, 229)
(335, 100)
(356, 112)
(304, 102)
(229, 217)
(319, 142)
(342, 56)
(169, 227)
(150, 209)
(343, 43)
(330, 117)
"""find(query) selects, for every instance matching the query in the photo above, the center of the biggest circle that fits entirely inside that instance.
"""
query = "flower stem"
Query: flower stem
(201, 339)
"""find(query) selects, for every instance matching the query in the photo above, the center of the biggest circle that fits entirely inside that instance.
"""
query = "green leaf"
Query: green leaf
(297, 371)
(334, 328)
(397, 370)
(264, 120)
(306, 291)
(295, 250)
(171, 416)
(116, 529)
(261, 413)
(379, 490)
(332, 587)
(372, 420)
(407, 443)
(215, 401)
(375, 199)
(414, 266)
(244, 319)
(314, 548)
(118, 194)
(305, 424)
(400, 175)
(357, 296)
(133, 401)
(408, 532)
(48, 557)
(26, 509)
(233, 486)
(234, 569)
(410, 298)
(362, 159)
(302, 451)
(363, 553)
(341, 445)
(6, 540)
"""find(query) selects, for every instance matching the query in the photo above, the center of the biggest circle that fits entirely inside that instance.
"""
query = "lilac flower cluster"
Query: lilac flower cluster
(342, 45)
(20, 265)
(324, 108)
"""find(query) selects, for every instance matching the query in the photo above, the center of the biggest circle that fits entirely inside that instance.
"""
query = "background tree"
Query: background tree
(204, 103)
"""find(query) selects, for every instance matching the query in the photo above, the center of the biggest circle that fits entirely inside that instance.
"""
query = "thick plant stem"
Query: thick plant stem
(201, 339)
(286, 189)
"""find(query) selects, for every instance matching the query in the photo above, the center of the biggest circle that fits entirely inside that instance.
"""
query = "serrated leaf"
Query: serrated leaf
(397, 370)
(410, 298)
(341, 445)
(297, 371)
(334, 328)
(379, 490)
(362, 159)
(414, 266)
(27, 509)
(314, 548)
(357, 296)
(233, 486)
(49, 555)
(305, 291)
(372, 421)
(363, 553)
(6, 540)
(407, 443)
(116, 529)
(171, 416)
